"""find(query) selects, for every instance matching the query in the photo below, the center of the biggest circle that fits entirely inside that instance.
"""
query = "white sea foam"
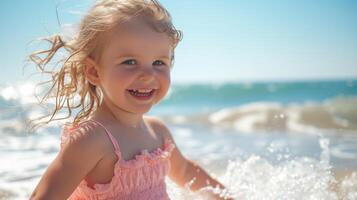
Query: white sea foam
(24, 93)
(301, 178)
(335, 114)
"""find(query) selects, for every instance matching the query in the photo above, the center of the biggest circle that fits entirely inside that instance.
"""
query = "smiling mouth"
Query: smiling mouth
(141, 93)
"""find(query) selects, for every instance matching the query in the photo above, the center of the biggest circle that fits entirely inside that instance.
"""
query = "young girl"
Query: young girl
(118, 67)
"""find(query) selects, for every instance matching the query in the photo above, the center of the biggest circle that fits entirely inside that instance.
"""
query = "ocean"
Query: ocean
(263, 140)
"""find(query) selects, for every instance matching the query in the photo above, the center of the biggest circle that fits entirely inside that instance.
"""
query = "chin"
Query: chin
(141, 111)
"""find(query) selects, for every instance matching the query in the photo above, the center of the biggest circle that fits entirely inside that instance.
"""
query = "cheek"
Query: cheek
(165, 77)
(165, 83)
(115, 84)
(122, 76)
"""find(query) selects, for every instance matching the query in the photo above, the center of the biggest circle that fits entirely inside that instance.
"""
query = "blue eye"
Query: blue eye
(129, 62)
(159, 62)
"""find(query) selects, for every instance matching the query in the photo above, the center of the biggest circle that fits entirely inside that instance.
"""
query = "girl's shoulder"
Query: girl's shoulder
(154, 121)
(159, 126)
(84, 134)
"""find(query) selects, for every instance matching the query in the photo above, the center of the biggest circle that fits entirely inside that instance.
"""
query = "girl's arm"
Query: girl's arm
(183, 170)
(75, 160)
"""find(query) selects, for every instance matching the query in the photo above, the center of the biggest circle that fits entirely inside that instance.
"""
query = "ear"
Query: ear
(91, 71)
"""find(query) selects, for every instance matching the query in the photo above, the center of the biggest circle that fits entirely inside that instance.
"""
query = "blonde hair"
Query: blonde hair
(69, 80)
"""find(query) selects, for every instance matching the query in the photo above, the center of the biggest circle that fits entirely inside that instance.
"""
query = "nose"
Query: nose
(147, 74)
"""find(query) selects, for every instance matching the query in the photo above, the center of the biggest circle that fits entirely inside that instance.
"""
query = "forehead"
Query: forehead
(138, 38)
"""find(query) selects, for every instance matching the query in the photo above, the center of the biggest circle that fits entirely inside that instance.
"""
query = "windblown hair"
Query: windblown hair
(69, 86)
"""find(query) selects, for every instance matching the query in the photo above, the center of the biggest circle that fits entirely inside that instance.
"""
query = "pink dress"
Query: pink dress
(142, 177)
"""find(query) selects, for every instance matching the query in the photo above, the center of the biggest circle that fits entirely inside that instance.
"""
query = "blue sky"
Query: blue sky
(224, 40)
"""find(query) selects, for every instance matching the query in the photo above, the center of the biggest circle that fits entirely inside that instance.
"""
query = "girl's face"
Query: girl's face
(134, 69)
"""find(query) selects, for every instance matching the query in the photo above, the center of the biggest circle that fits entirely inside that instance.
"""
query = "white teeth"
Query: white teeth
(143, 90)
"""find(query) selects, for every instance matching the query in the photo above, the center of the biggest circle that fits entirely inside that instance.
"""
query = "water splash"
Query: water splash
(298, 178)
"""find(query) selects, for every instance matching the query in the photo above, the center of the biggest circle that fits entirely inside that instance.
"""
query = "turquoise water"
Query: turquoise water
(190, 98)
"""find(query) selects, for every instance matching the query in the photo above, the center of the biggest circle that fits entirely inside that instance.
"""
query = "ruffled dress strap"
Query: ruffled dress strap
(67, 129)
(111, 137)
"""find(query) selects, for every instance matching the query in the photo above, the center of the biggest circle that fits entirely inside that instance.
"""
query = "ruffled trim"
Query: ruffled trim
(149, 157)
(135, 165)
(155, 192)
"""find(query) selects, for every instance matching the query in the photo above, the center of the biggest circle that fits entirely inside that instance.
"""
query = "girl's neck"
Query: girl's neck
(124, 118)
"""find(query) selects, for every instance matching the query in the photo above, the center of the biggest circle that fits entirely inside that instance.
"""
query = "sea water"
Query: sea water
(267, 140)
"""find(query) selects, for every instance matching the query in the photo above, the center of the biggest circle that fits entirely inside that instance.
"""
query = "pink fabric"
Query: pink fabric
(142, 177)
